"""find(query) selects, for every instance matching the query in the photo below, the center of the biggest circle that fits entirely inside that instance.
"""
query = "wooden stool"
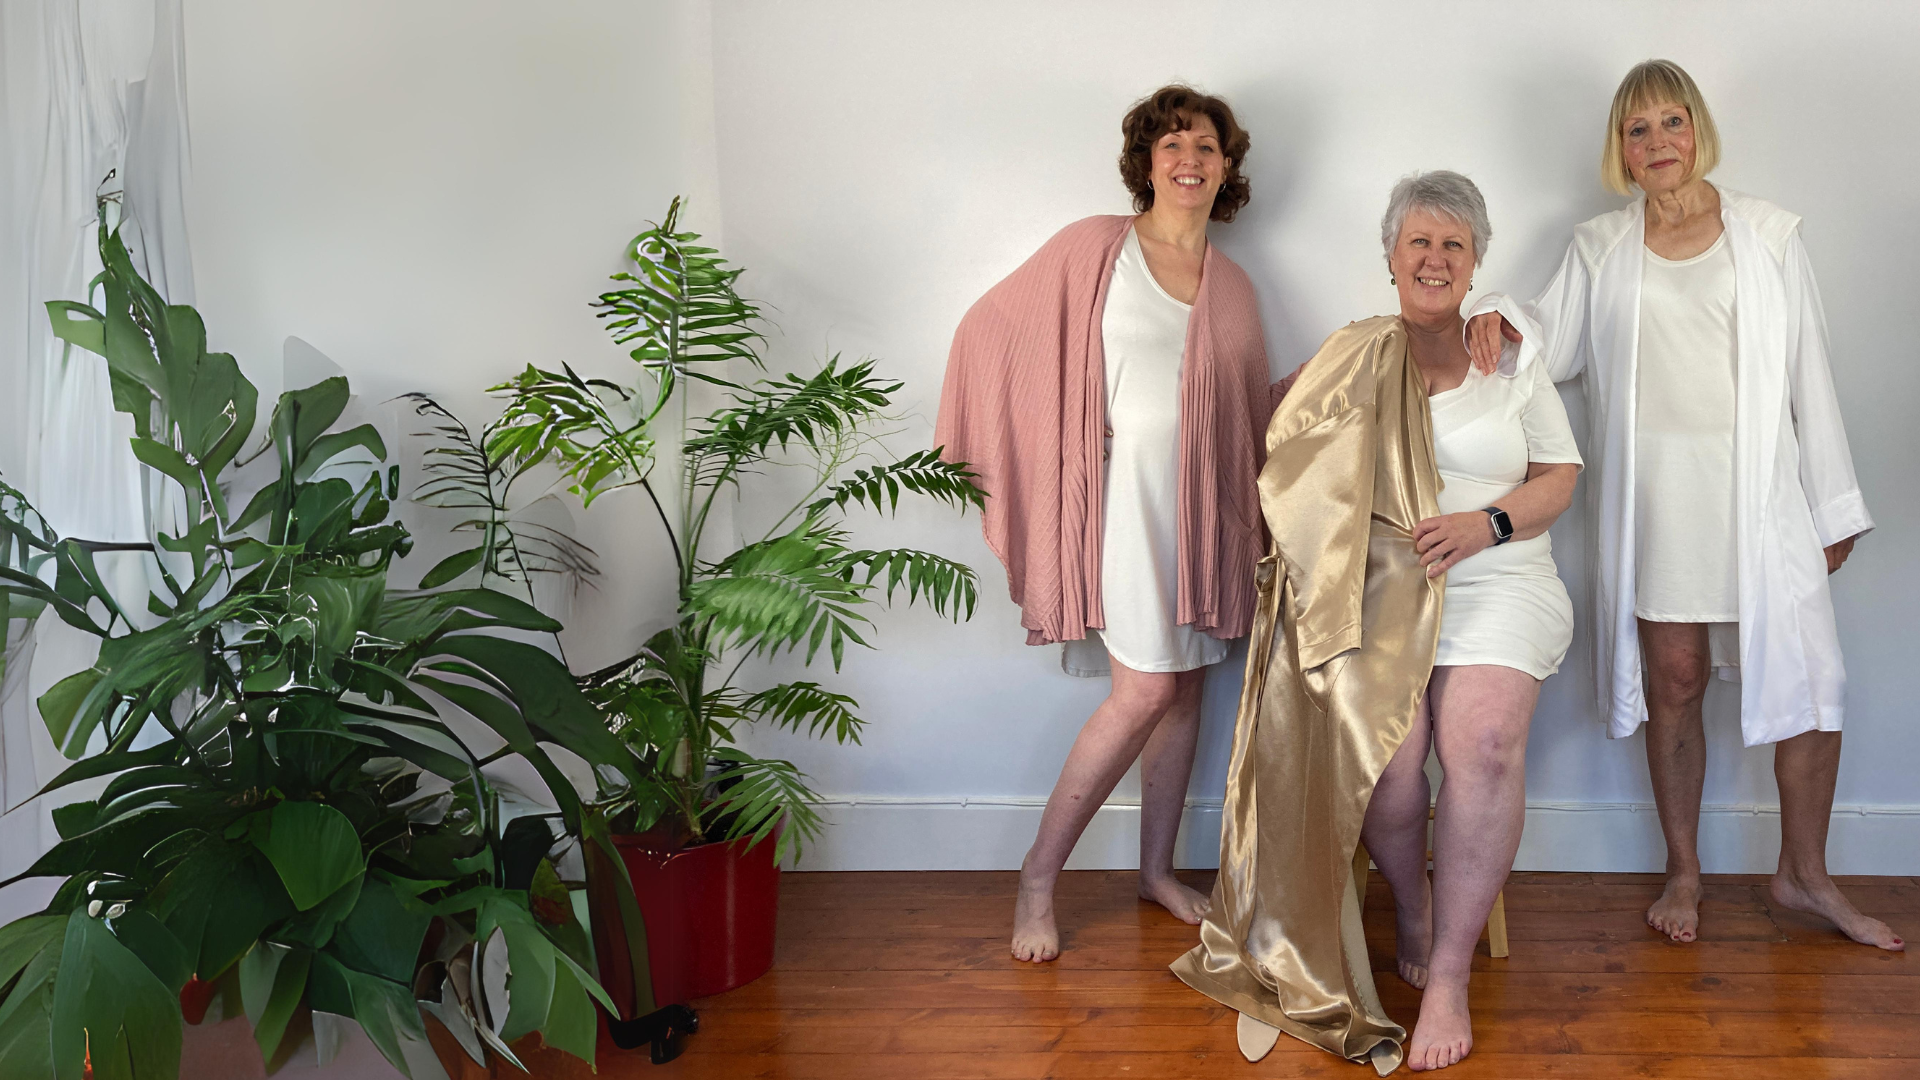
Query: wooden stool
(1496, 919)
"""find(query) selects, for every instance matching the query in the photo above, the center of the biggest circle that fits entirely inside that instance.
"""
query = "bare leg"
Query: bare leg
(1677, 669)
(1165, 768)
(1805, 767)
(1481, 715)
(1395, 833)
(1108, 744)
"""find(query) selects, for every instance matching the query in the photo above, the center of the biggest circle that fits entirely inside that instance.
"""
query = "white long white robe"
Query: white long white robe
(1795, 486)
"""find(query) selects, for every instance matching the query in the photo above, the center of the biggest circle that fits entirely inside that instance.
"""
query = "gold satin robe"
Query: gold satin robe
(1343, 643)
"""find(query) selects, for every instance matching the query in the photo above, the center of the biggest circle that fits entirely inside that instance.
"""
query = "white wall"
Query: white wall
(430, 193)
(882, 164)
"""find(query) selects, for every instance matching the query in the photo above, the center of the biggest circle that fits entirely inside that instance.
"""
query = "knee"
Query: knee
(1147, 698)
(1492, 755)
(1678, 685)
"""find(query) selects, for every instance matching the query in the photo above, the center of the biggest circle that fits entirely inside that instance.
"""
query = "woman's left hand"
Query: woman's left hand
(1836, 553)
(1445, 540)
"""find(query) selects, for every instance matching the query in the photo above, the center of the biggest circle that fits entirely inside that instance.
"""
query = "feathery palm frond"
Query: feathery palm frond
(923, 472)
(950, 587)
(778, 593)
(680, 311)
(758, 795)
(565, 418)
(464, 473)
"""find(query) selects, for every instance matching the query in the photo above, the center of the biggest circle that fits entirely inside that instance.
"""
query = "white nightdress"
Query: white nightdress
(1686, 570)
(1143, 332)
(1505, 605)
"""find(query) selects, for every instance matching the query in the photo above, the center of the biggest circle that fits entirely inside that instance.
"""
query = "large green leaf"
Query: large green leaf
(155, 945)
(314, 848)
(252, 900)
(30, 951)
(385, 1010)
(327, 447)
(77, 324)
(315, 927)
(303, 416)
(450, 568)
(110, 1009)
(572, 1025)
(546, 693)
(417, 618)
(272, 980)
(383, 934)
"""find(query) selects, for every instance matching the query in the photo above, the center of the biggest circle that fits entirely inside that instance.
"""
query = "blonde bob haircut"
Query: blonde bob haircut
(1656, 82)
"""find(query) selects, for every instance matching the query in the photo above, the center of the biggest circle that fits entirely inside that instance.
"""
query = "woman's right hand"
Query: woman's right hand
(1484, 332)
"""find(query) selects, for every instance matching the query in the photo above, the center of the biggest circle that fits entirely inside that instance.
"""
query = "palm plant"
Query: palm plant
(286, 812)
(798, 585)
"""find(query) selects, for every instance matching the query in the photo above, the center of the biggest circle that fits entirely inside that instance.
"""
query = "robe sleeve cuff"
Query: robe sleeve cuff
(1840, 517)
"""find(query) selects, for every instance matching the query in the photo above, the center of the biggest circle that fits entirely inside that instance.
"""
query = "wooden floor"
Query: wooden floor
(907, 975)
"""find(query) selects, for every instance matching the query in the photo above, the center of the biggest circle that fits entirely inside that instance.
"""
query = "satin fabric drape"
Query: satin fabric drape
(1343, 643)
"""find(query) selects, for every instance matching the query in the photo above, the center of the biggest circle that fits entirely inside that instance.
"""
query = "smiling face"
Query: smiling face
(1657, 144)
(1188, 167)
(1432, 265)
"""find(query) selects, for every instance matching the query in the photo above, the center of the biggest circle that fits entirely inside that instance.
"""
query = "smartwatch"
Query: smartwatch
(1502, 525)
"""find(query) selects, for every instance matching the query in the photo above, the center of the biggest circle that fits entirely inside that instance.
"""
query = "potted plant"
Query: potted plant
(288, 823)
(706, 825)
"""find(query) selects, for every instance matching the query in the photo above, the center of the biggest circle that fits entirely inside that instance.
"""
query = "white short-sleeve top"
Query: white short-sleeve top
(1505, 605)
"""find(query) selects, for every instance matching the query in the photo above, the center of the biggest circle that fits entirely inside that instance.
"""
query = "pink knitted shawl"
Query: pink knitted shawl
(1025, 403)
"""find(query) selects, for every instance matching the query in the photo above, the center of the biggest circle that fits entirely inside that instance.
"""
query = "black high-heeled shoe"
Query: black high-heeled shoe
(667, 1029)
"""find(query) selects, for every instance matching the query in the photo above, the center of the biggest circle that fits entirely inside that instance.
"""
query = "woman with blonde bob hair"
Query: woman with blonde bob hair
(1723, 490)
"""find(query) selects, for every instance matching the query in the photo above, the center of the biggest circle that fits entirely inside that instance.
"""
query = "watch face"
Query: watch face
(1502, 524)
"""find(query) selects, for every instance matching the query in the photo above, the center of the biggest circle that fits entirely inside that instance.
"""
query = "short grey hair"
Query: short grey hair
(1441, 192)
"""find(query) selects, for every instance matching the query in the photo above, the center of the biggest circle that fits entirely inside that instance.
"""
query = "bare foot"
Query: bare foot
(1823, 898)
(1677, 912)
(1444, 1033)
(1187, 905)
(1413, 938)
(1036, 938)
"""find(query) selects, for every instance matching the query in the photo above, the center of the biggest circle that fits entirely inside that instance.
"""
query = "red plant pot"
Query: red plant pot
(710, 912)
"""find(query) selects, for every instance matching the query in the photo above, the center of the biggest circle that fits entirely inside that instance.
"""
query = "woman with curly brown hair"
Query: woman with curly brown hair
(1112, 393)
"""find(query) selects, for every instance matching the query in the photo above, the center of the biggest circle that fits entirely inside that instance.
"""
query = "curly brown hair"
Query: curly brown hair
(1172, 108)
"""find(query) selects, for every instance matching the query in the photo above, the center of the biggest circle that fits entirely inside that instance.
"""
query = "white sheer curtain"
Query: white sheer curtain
(94, 102)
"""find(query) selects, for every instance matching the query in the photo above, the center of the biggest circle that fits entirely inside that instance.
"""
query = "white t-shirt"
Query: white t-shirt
(1505, 605)
(1687, 568)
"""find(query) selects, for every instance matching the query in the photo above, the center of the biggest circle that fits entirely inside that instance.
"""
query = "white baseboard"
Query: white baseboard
(958, 833)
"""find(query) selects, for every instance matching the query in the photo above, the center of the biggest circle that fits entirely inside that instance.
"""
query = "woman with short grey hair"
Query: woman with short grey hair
(1507, 465)
(1409, 600)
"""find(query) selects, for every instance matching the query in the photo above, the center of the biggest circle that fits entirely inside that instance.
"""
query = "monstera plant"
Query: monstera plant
(281, 813)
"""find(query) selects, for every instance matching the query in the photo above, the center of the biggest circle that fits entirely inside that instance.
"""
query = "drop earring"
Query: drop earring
(1391, 280)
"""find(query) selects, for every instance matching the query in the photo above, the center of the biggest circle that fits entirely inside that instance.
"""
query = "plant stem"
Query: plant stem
(673, 542)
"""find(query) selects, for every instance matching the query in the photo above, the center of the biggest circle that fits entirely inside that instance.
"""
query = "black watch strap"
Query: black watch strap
(1502, 525)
